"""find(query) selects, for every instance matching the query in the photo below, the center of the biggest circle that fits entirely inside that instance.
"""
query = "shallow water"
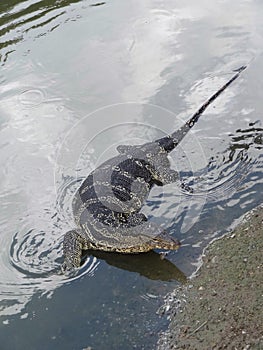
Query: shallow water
(77, 80)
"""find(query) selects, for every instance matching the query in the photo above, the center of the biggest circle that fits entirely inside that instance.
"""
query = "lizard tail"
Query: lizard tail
(169, 142)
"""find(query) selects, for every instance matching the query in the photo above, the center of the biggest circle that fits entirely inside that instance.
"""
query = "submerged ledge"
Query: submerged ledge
(221, 307)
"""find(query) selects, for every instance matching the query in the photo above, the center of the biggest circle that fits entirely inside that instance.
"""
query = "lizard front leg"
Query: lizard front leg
(73, 245)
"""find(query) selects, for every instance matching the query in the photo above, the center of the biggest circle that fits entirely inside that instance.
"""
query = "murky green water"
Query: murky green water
(76, 80)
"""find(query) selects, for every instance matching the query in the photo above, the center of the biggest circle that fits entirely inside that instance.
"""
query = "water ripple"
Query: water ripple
(227, 171)
(223, 184)
(31, 97)
(16, 21)
(34, 266)
(33, 256)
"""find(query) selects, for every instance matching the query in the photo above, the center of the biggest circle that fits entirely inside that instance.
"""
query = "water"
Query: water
(76, 80)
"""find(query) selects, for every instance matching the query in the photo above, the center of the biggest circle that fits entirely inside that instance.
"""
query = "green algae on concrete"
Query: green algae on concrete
(221, 308)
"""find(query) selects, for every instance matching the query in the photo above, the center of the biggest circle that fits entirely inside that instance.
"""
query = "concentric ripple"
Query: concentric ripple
(34, 267)
(32, 263)
(31, 254)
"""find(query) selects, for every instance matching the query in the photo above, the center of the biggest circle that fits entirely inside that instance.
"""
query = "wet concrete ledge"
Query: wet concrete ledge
(221, 308)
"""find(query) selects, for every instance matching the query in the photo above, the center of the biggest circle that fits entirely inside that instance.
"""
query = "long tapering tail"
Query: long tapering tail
(171, 141)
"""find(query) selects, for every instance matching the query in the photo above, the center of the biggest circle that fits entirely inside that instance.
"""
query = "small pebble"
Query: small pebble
(214, 260)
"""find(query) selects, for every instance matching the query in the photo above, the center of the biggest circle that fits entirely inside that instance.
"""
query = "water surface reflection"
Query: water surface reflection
(82, 79)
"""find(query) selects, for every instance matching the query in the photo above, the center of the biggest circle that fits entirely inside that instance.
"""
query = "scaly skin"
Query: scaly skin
(107, 205)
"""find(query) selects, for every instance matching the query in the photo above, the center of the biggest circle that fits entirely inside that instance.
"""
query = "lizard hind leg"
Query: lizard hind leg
(73, 245)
